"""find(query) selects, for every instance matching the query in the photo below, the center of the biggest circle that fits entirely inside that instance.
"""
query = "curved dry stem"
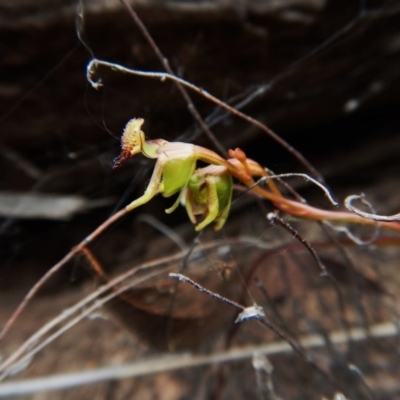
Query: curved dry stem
(17, 358)
(77, 249)
(257, 313)
(164, 61)
(305, 177)
(31, 342)
(93, 64)
(183, 361)
(356, 240)
(306, 211)
(370, 216)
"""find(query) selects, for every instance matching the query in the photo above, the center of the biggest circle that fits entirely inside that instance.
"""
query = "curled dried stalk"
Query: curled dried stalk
(371, 216)
(97, 84)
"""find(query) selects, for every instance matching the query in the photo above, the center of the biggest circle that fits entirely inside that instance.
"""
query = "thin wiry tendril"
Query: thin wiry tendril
(373, 216)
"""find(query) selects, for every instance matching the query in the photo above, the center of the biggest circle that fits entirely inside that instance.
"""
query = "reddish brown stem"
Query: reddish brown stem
(77, 249)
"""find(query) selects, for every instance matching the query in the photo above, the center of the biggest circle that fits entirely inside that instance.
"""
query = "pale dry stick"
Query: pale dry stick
(276, 220)
(345, 230)
(15, 363)
(300, 175)
(35, 288)
(232, 241)
(174, 291)
(263, 369)
(377, 229)
(355, 287)
(185, 279)
(93, 64)
(30, 342)
(270, 302)
(182, 361)
(164, 61)
(374, 217)
(289, 188)
(256, 312)
(358, 373)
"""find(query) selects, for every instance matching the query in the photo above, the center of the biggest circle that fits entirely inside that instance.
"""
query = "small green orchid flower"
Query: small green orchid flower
(176, 163)
(209, 193)
(206, 191)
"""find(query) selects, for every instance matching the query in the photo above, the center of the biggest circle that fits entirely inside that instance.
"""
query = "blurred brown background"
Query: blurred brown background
(323, 74)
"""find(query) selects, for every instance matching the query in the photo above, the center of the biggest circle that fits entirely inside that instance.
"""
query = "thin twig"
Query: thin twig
(93, 64)
(256, 312)
(357, 371)
(164, 61)
(345, 230)
(374, 217)
(38, 285)
(275, 219)
(183, 278)
(181, 361)
(157, 263)
(307, 178)
(88, 305)
(174, 292)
